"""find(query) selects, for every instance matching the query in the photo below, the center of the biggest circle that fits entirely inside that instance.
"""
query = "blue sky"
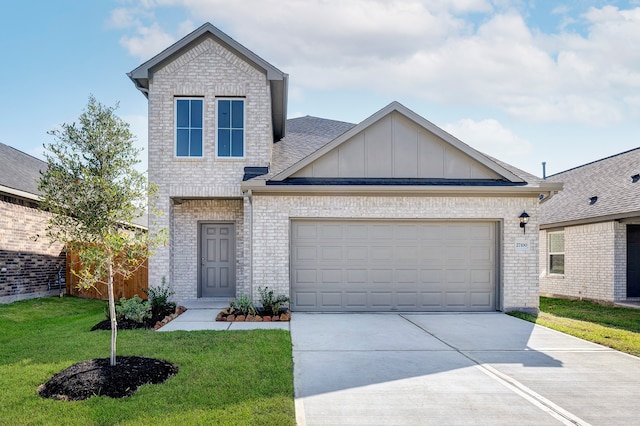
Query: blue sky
(523, 81)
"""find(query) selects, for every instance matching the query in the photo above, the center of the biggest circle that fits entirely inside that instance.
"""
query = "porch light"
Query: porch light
(524, 219)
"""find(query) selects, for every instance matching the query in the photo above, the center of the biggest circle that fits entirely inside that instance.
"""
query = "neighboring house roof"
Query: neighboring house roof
(312, 140)
(615, 181)
(19, 172)
(278, 80)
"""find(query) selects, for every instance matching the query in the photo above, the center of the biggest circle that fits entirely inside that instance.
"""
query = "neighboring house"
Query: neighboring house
(392, 214)
(29, 265)
(590, 231)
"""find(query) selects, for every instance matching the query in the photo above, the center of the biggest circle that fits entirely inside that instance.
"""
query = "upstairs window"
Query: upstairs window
(556, 252)
(189, 127)
(230, 127)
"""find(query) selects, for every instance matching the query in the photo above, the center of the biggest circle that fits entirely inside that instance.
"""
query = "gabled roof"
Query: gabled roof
(420, 121)
(615, 181)
(309, 138)
(19, 172)
(278, 80)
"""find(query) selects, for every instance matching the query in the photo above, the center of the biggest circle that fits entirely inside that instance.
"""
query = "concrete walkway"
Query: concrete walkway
(455, 369)
(203, 317)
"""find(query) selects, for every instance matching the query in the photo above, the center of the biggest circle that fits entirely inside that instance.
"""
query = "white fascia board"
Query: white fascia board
(19, 193)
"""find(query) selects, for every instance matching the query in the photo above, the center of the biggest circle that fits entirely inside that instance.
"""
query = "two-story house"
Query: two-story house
(389, 214)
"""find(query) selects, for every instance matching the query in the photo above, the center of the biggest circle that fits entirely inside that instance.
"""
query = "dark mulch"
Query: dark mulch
(96, 377)
(124, 324)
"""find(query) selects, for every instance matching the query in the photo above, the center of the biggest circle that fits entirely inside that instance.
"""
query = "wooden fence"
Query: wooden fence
(138, 282)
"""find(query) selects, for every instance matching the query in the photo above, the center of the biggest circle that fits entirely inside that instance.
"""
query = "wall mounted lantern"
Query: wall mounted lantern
(524, 219)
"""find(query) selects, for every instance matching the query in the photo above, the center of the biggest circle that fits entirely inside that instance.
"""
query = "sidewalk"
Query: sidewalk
(199, 318)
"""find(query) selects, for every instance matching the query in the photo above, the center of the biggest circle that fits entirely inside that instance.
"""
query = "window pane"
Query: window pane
(556, 242)
(196, 143)
(237, 114)
(224, 143)
(556, 264)
(237, 143)
(182, 143)
(196, 113)
(224, 114)
(182, 113)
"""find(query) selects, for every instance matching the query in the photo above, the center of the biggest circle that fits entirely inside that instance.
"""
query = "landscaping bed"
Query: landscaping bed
(230, 315)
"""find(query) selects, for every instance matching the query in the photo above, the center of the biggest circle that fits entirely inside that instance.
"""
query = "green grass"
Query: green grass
(615, 327)
(225, 378)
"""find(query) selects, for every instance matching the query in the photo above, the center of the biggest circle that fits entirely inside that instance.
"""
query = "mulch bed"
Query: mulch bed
(229, 315)
(96, 377)
(155, 322)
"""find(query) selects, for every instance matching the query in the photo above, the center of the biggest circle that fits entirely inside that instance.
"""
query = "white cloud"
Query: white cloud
(431, 50)
(491, 137)
(149, 42)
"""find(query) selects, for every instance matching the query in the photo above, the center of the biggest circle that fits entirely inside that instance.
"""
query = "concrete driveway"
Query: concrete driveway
(455, 369)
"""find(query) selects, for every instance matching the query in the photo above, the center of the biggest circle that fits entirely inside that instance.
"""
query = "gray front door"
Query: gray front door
(217, 260)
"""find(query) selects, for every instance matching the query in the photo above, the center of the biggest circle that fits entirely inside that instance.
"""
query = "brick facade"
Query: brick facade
(518, 269)
(31, 262)
(207, 70)
(595, 263)
(196, 190)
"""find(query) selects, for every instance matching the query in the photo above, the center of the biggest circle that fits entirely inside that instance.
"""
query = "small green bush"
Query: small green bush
(270, 302)
(243, 304)
(134, 309)
(159, 299)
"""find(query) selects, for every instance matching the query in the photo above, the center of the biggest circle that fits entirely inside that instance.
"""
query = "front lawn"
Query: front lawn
(225, 378)
(615, 327)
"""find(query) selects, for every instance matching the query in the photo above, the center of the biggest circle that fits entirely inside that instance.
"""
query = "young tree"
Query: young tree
(94, 193)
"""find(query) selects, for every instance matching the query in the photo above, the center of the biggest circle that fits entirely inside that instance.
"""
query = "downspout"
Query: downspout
(248, 195)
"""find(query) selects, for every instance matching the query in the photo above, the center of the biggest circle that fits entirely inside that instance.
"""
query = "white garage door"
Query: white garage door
(393, 266)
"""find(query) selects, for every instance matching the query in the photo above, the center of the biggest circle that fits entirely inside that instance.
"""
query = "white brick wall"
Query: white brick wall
(519, 269)
(210, 71)
(594, 261)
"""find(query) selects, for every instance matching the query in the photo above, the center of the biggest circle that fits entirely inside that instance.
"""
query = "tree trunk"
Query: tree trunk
(112, 315)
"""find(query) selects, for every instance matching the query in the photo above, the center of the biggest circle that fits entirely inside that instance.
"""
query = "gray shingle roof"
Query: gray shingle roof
(609, 179)
(19, 170)
(304, 135)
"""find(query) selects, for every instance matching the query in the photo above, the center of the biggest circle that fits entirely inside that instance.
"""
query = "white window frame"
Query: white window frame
(555, 253)
(244, 128)
(175, 127)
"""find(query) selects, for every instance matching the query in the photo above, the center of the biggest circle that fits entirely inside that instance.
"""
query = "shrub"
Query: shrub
(134, 309)
(159, 300)
(243, 304)
(270, 302)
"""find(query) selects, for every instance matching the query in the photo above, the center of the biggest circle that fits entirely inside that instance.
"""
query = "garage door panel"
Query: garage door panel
(381, 254)
(306, 231)
(382, 276)
(356, 299)
(305, 276)
(304, 299)
(331, 254)
(330, 276)
(382, 299)
(331, 232)
(393, 265)
(356, 254)
(356, 276)
(408, 299)
(480, 299)
(455, 299)
(331, 299)
(432, 300)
